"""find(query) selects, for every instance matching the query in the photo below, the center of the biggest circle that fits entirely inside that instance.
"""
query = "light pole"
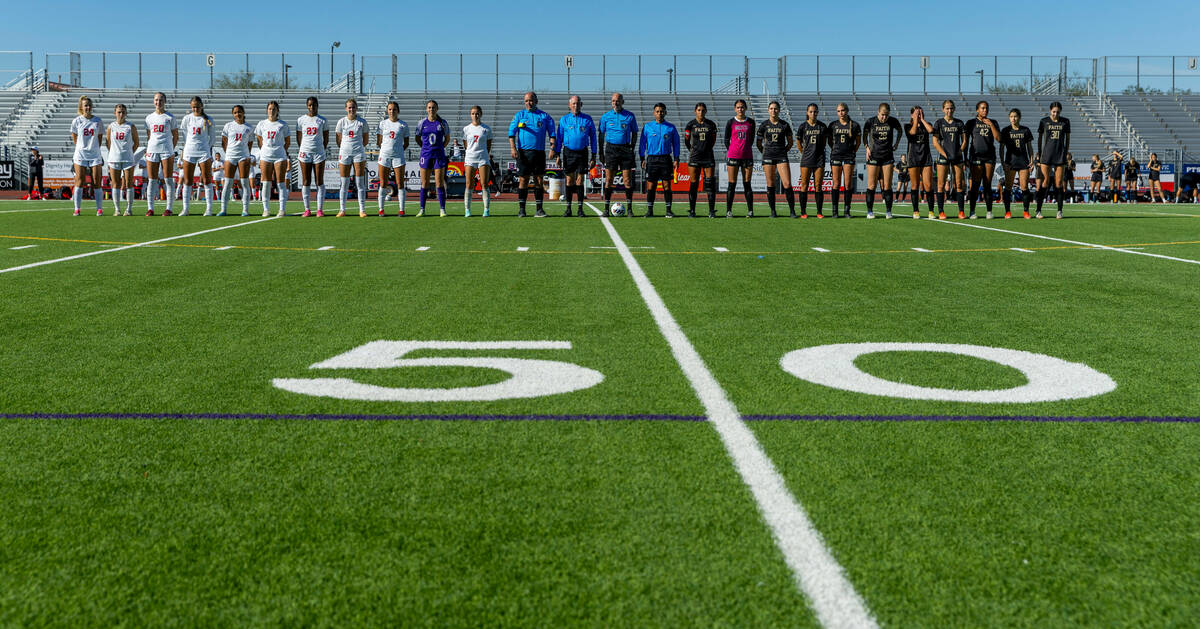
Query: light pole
(334, 45)
(980, 73)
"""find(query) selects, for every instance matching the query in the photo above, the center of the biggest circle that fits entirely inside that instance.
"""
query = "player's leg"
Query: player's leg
(693, 188)
(960, 189)
(117, 182)
(630, 182)
(944, 174)
(281, 184)
(306, 186)
(268, 182)
(988, 171)
(439, 180)
(485, 171)
(784, 172)
(244, 180)
(887, 170)
(344, 189)
(188, 176)
(360, 181)
(806, 174)
(769, 173)
(398, 174)
(1059, 175)
(914, 176)
(927, 188)
(608, 190)
(729, 189)
(872, 179)
(747, 191)
(318, 176)
(206, 180)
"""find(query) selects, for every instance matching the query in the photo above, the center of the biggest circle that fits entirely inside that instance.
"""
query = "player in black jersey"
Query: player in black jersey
(882, 134)
(950, 141)
(982, 132)
(1054, 142)
(1016, 155)
(1114, 175)
(1154, 170)
(1132, 173)
(811, 138)
(920, 160)
(1097, 179)
(699, 137)
(902, 175)
(845, 136)
(774, 140)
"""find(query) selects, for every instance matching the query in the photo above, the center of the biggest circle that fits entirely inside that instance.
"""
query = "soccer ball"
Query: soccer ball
(618, 209)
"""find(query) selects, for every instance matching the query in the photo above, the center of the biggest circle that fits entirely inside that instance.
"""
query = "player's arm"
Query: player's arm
(857, 133)
(591, 131)
(299, 130)
(675, 145)
(108, 137)
(1067, 138)
(899, 133)
(728, 132)
(758, 138)
(325, 137)
(512, 135)
(287, 142)
(174, 134)
(937, 144)
(552, 135)
(136, 141)
(379, 137)
(1003, 142)
(366, 133)
(642, 149)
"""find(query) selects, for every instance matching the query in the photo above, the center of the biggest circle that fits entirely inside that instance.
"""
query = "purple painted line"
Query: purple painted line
(614, 417)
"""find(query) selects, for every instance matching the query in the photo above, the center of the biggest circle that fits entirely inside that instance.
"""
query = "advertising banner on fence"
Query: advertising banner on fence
(58, 173)
(8, 175)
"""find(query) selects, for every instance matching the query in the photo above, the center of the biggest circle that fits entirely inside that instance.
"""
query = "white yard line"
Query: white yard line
(522, 248)
(820, 249)
(921, 250)
(64, 210)
(817, 573)
(1021, 250)
(422, 248)
(223, 248)
(22, 247)
(325, 248)
(133, 246)
(721, 249)
(1071, 242)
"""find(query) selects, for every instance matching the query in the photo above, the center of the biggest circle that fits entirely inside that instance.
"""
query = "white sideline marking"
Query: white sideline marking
(921, 250)
(820, 249)
(325, 248)
(40, 209)
(22, 247)
(223, 248)
(817, 573)
(716, 249)
(422, 248)
(1021, 250)
(615, 247)
(1072, 242)
(149, 243)
(522, 248)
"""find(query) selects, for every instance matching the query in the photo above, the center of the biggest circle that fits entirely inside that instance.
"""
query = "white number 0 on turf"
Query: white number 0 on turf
(1050, 378)
(530, 377)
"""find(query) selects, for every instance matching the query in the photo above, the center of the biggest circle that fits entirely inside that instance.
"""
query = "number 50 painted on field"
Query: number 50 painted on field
(1049, 378)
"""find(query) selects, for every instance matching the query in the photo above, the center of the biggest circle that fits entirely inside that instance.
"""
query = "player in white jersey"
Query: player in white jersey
(274, 140)
(122, 139)
(85, 133)
(392, 140)
(478, 140)
(162, 134)
(198, 136)
(352, 135)
(312, 134)
(236, 139)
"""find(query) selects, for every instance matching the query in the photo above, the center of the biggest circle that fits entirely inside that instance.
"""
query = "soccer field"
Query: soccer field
(600, 422)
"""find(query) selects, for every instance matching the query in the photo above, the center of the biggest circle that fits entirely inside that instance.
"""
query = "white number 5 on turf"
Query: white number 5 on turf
(530, 377)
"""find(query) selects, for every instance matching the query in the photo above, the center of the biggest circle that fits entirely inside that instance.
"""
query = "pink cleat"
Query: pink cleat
(320, 213)
(306, 214)
(76, 213)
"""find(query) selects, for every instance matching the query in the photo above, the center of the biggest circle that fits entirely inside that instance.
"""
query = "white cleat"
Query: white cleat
(280, 214)
(870, 214)
(208, 213)
(989, 215)
(183, 213)
(266, 213)
(442, 213)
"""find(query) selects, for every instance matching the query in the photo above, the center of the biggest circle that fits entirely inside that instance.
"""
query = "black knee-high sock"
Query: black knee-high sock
(538, 195)
(651, 194)
(522, 197)
(929, 200)
(941, 201)
(607, 198)
(804, 200)
(987, 195)
(771, 198)
(628, 199)
(1062, 192)
(1006, 196)
(961, 199)
(579, 195)
(1025, 199)
(820, 194)
(570, 193)
(693, 191)
(667, 194)
(871, 200)
(887, 200)
(712, 199)
(916, 200)
(836, 198)
(729, 192)
(748, 194)
(790, 195)
(974, 194)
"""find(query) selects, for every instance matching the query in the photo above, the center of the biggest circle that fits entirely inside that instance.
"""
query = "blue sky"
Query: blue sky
(1095, 27)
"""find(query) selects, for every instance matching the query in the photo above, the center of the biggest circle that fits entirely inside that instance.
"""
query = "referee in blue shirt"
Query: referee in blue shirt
(617, 133)
(659, 150)
(527, 138)
(576, 134)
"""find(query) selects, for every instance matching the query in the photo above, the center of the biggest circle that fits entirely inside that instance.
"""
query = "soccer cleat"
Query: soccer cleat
(76, 213)
(382, 213)
(400, 213)
(870, 213)
(961, 215)
(973, 216)
(166, 212)
(183, 213)
(266, 213)
(99, 212)
(127, 213)
(279, 214)
(320, 213)
(1059, 215)
(820, 215)
(245, 213)
(1039, 214)
(749, 213)
(306, 214)
(222, 213)
(540, 213)
(793, 213)
(712, 214)
(362, 213)
(442, 213)
(804, 215)
(888, 214)
(649, 213)
(1026, 213)
(670, 214)
(466, 213)
(931, 214)
(989, 215)
(942, 215)
(520, 213)
(567, 214)
(340, 214)
(916, 214)
(1007, 214)
(773, 214)
(208, 213)
(728, 213)
(691, 213)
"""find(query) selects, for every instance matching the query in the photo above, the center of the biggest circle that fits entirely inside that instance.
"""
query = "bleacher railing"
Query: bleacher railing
(443, 72)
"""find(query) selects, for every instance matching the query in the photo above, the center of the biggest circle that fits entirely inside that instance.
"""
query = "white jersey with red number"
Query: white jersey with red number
(393, 134)
(87, 136)
(197, 136)
(312, 133)
(158, 133)
(352, 132)
(273, 135)
(120, 142)
(476, 138)
(238, 139)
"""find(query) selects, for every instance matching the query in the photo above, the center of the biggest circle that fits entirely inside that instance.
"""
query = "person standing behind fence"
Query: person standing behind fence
(527, 135)
(617, 134)
(162, 134)
(575, 136)
(86, 130)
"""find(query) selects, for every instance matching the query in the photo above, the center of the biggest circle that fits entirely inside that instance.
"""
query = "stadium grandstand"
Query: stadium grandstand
(1147, 111)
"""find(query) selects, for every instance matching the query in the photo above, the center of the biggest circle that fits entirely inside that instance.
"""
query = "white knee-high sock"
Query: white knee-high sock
(226, 191)
(381, 196)
(402, 193)
(170, 183)
(151, 194)
(116, 199)
(129, 200)
(487, 199)
(345, 190)
(321, 197)
(77, 197)
(187, 197)
(98, 195)
(362, 193)
(304, 196)
(245, 194)
(266, 196)
(283, 198)
(210, 191)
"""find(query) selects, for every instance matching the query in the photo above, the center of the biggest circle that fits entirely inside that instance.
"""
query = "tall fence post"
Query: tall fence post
(460, 72)
(139, 70)
(497, 74)
(104, 70)
(177, 72)
(1172, 74)
(426, 57)
(531, 71)
(995, 73)
(818, 74)
(889, 74)
(1106, 74)
(710, 75)
(394, 69)
(604, 73)
(639, 73)
(960, 74)
(853, 61)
